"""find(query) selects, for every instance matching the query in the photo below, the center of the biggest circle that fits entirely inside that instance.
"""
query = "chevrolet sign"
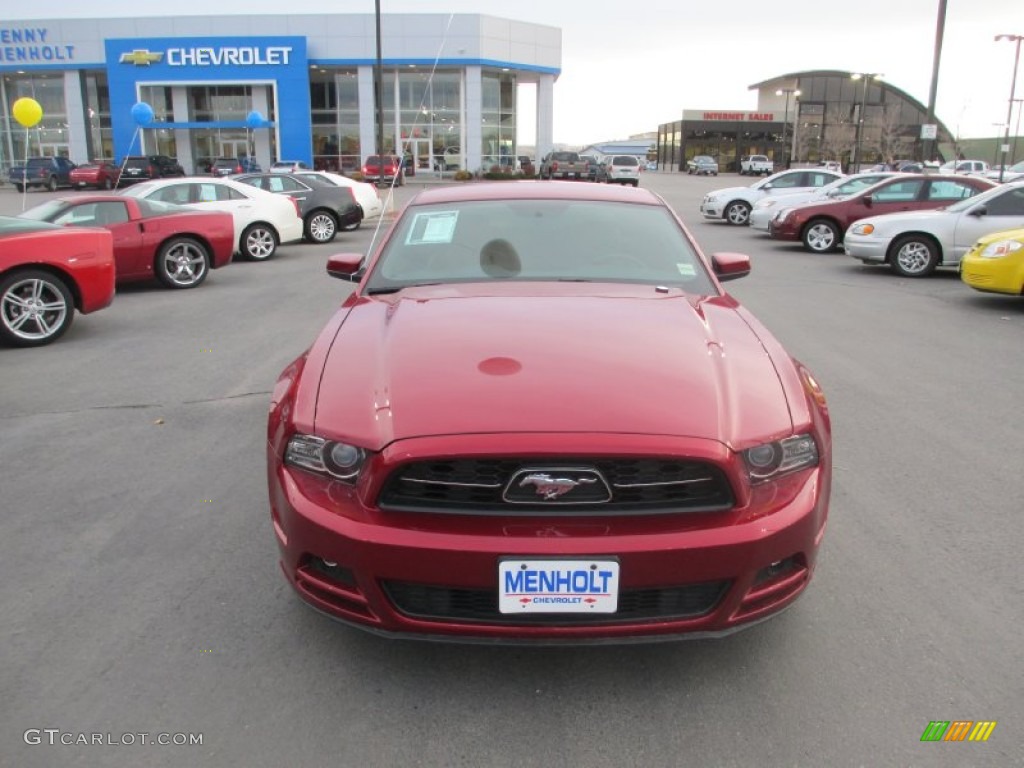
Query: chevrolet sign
(244, 56)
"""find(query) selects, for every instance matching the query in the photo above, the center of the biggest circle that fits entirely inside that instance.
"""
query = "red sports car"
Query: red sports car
(821, 226)
(46, 273)
(179, 246)
(539, 418)
(99, 175)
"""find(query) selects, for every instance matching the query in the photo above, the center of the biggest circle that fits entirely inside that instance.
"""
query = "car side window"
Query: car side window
(815, 179)
(898, 192)
(260, 182)
(111, 212)
(791, 180)
(1010, 203)
(947, 189)
(179, 194)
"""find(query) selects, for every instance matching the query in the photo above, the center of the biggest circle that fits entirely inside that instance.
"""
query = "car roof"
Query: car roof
(536, 190)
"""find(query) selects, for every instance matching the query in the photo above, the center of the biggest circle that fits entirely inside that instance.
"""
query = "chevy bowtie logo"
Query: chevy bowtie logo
(141, 57)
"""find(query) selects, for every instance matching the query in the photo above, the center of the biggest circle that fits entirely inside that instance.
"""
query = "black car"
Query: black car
(325, 207)
(49, 172)
(145, 167)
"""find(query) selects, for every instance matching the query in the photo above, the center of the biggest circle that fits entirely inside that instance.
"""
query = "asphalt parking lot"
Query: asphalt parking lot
(141, 593)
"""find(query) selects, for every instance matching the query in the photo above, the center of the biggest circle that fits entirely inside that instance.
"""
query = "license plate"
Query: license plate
(558, 586)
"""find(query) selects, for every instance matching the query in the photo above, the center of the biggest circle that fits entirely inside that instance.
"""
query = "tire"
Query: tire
(52, 184)
(259, 242)
(182, 263)
(20, 188)
(821, 236)
(636, 183)
(737, 213)
(36, 308)
(321, 227)
(107, 183)
(914, 256)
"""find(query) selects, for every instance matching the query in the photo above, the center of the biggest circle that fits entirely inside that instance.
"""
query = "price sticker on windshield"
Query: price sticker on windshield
(436, 227)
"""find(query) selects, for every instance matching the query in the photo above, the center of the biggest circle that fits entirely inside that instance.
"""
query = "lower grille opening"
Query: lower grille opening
(480, 606)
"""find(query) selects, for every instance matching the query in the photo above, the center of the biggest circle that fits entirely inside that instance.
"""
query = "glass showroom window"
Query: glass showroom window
(50, 137)
(97, 113)
(498, 132)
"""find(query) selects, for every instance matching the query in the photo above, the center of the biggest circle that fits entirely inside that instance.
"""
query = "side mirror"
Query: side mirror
(345, 266)
(767, 187)
(979, 211)
(868, 201)
(730, 266)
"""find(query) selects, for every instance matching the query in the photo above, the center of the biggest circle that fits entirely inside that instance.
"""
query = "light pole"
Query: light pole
(1013, 89)
(785, 147)
(866, 76)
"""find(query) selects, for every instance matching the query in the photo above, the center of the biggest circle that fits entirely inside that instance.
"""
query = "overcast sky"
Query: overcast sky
(627, 67)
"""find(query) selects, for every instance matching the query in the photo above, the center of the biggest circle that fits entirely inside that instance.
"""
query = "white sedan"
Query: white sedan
(733, 204)
(766, 207)
(263, 220)
(365, 194)
(913, 244)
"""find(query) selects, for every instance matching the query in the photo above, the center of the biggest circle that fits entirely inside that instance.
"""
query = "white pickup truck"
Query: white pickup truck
(755, 165)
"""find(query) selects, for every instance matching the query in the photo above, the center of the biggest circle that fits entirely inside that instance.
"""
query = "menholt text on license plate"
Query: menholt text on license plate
(558, 586)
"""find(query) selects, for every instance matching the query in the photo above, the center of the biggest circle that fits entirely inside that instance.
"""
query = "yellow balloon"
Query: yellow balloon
(27, 111)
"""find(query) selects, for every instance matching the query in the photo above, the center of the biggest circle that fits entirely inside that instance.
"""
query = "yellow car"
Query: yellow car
(996, 263)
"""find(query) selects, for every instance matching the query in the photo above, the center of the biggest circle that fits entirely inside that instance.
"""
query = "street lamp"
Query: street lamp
(866, 76)
(785, 147)
(1013, 89)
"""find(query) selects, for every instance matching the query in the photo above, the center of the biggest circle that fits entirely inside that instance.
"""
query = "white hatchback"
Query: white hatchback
(620, 169)
(263, 220)
(735, 203)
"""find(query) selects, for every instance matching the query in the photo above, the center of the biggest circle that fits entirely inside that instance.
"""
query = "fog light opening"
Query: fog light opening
(776, 569)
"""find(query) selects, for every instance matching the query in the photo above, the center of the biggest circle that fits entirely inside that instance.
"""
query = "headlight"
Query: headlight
(863, 229)
(710, 199)
(1001, 248)
(783, 213)
(339, 460)
(768, 461)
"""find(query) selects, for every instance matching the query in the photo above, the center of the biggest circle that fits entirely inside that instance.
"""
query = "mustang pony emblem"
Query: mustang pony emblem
(552, 487)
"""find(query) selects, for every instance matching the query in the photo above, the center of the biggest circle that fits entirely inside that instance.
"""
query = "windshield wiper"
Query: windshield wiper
(395, 288)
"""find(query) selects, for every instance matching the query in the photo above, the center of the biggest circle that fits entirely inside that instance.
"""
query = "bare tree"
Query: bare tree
(894, 139)
(840, 133)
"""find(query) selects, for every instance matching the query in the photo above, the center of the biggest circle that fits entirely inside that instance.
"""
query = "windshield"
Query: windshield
(538, 240)
(44, 211)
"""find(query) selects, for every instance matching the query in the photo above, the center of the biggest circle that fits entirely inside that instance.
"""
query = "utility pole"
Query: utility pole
(379, 90)
(928, 146)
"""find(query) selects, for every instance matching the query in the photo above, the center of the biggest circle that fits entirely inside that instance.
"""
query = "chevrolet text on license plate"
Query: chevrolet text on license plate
(558, 586)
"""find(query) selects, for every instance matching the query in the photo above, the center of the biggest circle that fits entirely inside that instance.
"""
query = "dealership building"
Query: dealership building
(810, 117)
(295, 87)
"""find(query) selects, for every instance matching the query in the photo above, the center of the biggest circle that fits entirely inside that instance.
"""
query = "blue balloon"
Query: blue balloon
(254, 119)
(142, 113)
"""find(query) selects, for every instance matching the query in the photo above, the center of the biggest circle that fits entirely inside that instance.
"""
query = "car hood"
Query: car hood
(547, 358)
(897, 222)
(735, 191)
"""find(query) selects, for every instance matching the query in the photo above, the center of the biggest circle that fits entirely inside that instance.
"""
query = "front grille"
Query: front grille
(421, 601)
(478, 486)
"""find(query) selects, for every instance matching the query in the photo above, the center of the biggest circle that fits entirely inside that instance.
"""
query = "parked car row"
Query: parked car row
(69, 252)
(912, 223)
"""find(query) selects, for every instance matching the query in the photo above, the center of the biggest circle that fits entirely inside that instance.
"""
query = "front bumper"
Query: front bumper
(994, 275)
(867, 249)
(435, 575)
(781, 230)
(711, 210)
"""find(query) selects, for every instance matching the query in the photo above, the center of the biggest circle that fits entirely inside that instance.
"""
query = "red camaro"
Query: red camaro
(539, 418)
(179, 246)
(820, 226)
(46, 273)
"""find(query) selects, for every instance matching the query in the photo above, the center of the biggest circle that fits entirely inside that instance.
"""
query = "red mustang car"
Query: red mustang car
(539, 418)
(98, 175)
(179, 246)
(46, 273)
(821, 226)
